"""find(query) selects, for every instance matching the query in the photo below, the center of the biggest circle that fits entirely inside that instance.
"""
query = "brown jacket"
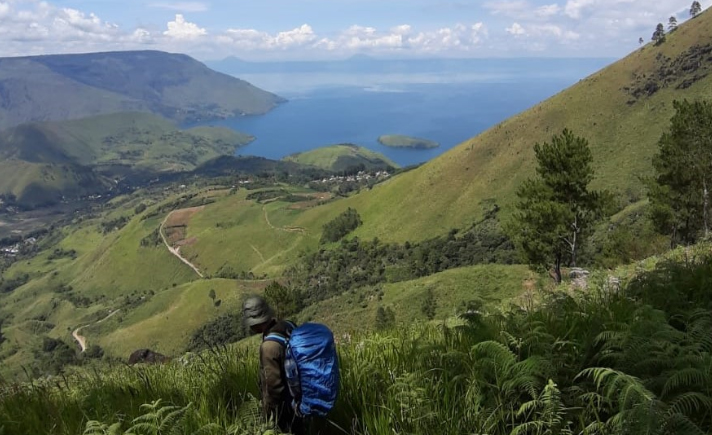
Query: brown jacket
(276, 399)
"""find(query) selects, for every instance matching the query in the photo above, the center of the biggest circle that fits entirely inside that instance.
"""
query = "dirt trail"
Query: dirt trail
(287, 229)
(83, 340)
(254, 248)
(176, 251)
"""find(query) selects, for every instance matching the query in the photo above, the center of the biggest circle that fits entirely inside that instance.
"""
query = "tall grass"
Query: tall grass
(599, 362)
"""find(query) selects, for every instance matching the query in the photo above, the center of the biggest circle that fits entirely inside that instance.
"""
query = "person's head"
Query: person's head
(257, 314)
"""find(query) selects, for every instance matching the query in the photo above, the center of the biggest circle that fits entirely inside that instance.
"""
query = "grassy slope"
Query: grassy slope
(137, 139)
(235, 232)
(38, 183)
(108, 268)
(491, 284)
(445, 192)
(42, 161)
(166, 322)
(400, 141)
(340, 157)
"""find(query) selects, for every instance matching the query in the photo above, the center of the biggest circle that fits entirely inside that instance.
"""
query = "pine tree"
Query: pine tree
(555, 210)
(672, 24)
(211, 294)
(659, 34)
(695, 9)
(683, 174)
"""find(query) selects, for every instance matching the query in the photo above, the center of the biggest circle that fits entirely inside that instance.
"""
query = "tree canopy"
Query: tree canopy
(556, 209)
(659, 34)
(695, 9)
(679, 194)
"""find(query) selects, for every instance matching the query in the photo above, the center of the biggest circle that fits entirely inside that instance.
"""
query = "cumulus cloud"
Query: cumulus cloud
(574, 8)
(548, 10)
(573, 26)
(567, 26)
(515, 29)
(251, 39)
(457, 38)
(182, 29)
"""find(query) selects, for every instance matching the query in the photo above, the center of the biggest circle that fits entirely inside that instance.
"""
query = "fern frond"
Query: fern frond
(98, 428)
(494, 351)
(679, 424)
(682, 378)
(170, 420)
(687, 403)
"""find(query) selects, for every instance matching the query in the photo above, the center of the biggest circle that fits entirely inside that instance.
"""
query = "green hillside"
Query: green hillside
(58, 87)
(342, 157)
(400, 141)
(622, 110)
(36, 184)
(492, 285)
(140, 140)
(45, 161)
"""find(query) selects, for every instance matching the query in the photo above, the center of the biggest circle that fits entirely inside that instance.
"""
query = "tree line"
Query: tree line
(556, 210)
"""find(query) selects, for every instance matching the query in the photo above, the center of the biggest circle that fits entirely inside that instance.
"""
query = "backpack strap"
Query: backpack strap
(280, 338)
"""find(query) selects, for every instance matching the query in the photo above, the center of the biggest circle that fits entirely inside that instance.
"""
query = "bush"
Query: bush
(341, 226)
(225, 329)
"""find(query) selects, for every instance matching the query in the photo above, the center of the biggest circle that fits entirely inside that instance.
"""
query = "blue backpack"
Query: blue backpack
(312, 368)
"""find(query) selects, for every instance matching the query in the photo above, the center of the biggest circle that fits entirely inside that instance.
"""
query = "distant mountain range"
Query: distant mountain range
(176, 86)
(369, 65)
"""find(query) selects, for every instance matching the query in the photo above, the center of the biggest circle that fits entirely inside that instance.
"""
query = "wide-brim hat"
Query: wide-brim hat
(256, 310)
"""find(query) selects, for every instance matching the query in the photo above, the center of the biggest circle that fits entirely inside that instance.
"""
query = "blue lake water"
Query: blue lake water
(448, 107)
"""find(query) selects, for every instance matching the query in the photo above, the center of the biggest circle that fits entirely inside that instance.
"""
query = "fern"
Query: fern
(158, 420)
(97, 428)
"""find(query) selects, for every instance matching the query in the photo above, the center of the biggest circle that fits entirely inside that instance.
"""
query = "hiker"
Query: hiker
(274, 389)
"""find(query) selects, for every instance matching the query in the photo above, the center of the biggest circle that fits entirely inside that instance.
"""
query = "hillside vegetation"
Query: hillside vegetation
(400, 141)
(342, 157)
(75, 158)
(622, 110)
(70, 86)
(610, 360)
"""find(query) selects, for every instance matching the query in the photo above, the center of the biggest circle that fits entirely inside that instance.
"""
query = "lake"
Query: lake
(446, 106)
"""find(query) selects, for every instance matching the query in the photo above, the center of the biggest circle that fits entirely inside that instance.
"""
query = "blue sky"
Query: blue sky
(332, 29)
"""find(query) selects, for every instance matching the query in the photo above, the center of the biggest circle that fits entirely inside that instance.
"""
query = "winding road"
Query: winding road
(83, 340)
(176, 251)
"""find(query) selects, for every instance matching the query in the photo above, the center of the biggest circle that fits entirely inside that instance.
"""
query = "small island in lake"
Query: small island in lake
(400, 141)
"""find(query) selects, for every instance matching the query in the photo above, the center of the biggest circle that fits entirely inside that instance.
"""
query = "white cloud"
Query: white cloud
(403, 29)
(515, 29)
(251, 39)
(508, 8)
(182, 6)
(564, 27)
(295, 37)
(574, 8)
(548, 10)
(182, 29)
(460, 37)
